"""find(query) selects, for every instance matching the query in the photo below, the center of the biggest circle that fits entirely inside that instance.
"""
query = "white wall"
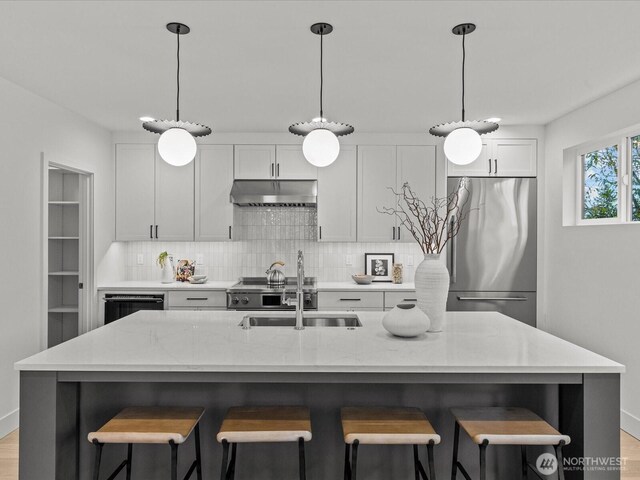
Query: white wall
(30, 125)
(591, 272)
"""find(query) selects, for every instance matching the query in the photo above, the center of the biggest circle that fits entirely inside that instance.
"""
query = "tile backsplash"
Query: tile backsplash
(263, 235)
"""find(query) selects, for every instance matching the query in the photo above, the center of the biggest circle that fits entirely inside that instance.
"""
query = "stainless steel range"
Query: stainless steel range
(252, 293)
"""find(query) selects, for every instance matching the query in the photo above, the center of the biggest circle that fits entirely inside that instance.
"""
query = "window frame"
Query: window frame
(624, 183)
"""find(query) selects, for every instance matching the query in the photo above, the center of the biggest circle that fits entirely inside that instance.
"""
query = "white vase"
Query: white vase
(405, 320)
(167, 273)
(432, 289)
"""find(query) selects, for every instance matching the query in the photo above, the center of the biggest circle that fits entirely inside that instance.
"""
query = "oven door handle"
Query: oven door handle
(133, 299)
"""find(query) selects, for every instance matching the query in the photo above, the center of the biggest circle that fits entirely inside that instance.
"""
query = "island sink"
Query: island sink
(309, 320)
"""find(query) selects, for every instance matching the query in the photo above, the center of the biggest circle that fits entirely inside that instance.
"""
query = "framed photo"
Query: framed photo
(379, 265)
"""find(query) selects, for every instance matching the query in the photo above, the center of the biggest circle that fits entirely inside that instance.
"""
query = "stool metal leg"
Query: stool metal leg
(232, 466)
(432, 468)
(303, 467)
(483, 460)
(174, 460)
(198, 457)
(525, 463)
(354, 458)
(416, 462)
(347, 465)
(129, 459)
(560, 460)
(225, 458)
(454, 463)
(96, 466)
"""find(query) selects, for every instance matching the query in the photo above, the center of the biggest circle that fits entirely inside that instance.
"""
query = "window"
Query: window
(634, 148)
(600, 185)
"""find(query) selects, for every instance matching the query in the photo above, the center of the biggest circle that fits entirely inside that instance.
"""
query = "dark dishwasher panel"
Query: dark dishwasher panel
(117, 306)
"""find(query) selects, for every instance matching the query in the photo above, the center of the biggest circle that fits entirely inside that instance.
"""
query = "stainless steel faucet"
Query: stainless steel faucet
(298, 301)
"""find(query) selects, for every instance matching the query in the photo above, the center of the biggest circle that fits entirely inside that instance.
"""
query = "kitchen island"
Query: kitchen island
(206, 359)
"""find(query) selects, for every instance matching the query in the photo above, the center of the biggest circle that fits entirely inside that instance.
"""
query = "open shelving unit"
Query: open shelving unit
(64, 256)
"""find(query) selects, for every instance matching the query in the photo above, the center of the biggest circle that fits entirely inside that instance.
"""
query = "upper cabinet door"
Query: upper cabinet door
(337, 200)
(214, 179)
(417, 167)
(174, 201)
(376, 173)
(515, 157)
(135, 191)
(291, 164)
(481, 167)
(255, 162)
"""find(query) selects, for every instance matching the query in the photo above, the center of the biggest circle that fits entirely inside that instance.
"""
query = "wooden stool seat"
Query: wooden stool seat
(507, 426)
(387, 426)
(149, 425)
(265, 424)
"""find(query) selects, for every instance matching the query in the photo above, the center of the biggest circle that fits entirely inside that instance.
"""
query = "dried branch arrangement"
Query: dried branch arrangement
(431, 225)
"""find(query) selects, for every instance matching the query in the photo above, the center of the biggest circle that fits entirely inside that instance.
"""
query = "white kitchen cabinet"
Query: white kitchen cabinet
(214, 179)
(291, 164)
(174, 201)
(416, 165)
(197, 299)
(255, 162)
(506, 157)
(376, 173)
(135, 191)
(392, 298)
(154, 200)
(350, 300)
(381, 167)
(337, 199)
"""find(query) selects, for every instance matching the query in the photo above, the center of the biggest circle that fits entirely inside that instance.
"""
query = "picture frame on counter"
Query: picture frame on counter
(379, 265)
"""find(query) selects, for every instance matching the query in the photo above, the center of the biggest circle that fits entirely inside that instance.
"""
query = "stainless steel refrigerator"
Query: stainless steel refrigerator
(492, 261)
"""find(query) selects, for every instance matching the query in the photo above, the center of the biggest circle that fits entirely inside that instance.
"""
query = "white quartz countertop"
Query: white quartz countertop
(372, 287)
(159, 286)
(212, 341)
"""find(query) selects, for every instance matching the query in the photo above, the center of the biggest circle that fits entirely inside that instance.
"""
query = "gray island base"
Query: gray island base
(205, 359)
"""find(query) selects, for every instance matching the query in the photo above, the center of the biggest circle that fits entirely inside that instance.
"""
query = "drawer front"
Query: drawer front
(350, 300)
(198, 298)
(391, 299)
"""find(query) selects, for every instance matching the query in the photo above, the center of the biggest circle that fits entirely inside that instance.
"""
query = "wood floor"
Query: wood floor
(629, 446)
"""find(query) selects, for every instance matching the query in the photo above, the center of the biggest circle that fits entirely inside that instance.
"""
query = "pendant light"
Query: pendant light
(462, 144)
(177, 145)
(321, 146)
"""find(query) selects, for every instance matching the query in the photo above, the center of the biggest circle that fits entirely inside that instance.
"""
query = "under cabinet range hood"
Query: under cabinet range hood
(274, 193)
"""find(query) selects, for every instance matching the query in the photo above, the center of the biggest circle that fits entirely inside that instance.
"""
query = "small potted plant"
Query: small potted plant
(165, 261)
(432, 225)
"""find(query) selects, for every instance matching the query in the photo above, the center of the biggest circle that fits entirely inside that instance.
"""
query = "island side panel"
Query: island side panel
(590, 414)
(48, 427)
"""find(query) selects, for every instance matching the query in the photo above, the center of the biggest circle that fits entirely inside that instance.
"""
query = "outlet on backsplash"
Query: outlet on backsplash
(200, 259)
(140, 259)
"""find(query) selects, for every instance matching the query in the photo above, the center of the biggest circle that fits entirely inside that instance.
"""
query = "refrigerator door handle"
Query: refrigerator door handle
(454, 247)
(497, 299)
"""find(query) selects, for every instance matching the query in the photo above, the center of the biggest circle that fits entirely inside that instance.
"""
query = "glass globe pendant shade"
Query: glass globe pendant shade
(177, 147)
(321, 147)
(463, 146)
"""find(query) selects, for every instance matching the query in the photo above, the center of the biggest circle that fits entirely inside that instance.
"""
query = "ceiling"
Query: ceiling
(253, 66)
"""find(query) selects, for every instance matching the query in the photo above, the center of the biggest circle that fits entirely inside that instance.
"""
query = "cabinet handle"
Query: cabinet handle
(489, 166)
(278, 170)
(151, 232)
(495, 299)
(495, 163)
(156, 231)
(229, 232)
(272, 170)
(320, 232)
(198, 298)
(350, 299)
(409, 299)
(393, 230)
(398, 233)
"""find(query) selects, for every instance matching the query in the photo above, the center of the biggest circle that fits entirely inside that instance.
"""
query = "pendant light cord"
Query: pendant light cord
(321, 75)
(178, 79)
(464, 56)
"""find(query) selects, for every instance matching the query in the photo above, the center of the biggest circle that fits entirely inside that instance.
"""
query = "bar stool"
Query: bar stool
(387, 426)
(164, 425)
(505, 426)
(263, 425)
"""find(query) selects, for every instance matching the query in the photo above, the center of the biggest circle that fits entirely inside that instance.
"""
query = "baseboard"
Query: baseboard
(9, 422)
(630, 424)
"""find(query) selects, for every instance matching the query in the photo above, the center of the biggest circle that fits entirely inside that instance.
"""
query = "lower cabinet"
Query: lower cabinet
(391, 299)
(197, 300)
(350, 300)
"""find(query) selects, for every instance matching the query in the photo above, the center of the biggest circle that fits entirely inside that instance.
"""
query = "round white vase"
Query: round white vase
(405, 320)
(432, 289)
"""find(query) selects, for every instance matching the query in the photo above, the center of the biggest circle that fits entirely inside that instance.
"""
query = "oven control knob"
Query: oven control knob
(234, 301)
(245, 300)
